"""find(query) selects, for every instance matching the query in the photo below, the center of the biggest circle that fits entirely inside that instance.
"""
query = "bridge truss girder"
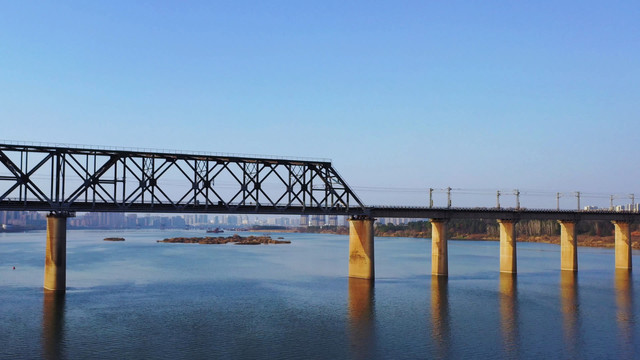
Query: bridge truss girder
(68, 179)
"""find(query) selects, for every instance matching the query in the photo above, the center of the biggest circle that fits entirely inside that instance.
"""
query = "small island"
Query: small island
(235, 239)
(113, 239)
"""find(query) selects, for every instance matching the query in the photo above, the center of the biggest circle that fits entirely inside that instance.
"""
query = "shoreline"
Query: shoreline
(607, 242)
(583, 240)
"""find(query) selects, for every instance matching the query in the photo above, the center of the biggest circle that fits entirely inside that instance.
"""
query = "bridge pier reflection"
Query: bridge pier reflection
(570, 312)
(55, 265)
(509, 314)
(441, 332)
(361, 318)
(624, 310)
(53, 325)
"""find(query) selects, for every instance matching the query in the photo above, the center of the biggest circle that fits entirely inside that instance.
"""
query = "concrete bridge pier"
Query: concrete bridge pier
(622, 244)
(508, 258)
(55, 265)
(568, 245)
(439, 256)
(361, 259)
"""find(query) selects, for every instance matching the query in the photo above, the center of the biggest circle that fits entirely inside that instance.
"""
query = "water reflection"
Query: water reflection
(52, 324)
(570, 313)
(361, 318)
(624, 309)
(509, 314)
(440, 315)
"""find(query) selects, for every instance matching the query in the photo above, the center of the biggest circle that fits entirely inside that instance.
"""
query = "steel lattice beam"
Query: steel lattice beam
(68, 179)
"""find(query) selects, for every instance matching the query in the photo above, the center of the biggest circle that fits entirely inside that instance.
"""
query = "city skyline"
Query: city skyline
(116, 220)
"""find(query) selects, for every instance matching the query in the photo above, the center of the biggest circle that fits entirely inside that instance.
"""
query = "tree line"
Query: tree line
(490, 228)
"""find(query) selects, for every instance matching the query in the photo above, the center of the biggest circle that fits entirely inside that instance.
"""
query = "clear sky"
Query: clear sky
(541, 95)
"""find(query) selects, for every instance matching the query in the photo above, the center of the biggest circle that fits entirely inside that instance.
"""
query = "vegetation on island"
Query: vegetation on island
(235, 239)
(113, 239)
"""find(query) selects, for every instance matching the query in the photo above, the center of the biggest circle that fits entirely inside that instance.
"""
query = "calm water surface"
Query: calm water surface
(141, 299)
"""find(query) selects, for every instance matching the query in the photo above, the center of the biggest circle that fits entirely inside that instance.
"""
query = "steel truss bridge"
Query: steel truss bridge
(63, 179)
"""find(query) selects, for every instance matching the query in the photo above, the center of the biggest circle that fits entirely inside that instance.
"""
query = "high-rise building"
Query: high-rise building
(177, 222)
(317, 220)
(203, 219)
(304, 220)
(132, 220)
(190, 219)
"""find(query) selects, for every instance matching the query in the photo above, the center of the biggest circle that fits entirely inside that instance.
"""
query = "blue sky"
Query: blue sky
(406, 95)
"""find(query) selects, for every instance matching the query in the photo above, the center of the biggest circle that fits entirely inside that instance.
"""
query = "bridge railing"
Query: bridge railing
(159, 151)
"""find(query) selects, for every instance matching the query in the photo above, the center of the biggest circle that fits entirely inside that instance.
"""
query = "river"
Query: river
(140, 299)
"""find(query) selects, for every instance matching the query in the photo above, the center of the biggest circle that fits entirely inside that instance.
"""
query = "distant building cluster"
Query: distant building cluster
(335, 220)
(22, 219)
(627, 207)
(98, 220)
(114, 220)
(322, 220)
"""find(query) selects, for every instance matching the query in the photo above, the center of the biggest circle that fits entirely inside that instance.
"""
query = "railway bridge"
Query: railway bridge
(65, 179)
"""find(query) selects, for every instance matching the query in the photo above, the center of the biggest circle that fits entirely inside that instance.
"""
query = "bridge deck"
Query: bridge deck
(373, 211)
(500, 214)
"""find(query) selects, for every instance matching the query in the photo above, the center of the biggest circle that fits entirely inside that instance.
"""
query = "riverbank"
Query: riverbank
(605, 241)
(583, 240)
